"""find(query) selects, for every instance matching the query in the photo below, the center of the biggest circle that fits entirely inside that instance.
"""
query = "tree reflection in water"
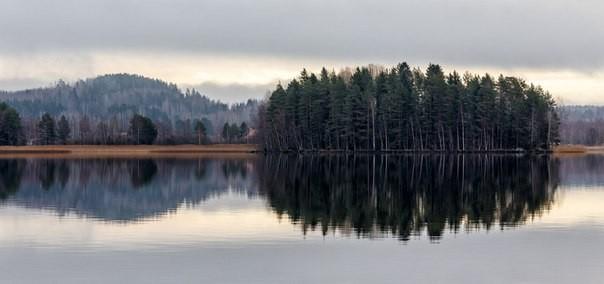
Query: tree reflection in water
(365, 195)
(142, 172)
(11, 172)
(122, 190)
(404, 195)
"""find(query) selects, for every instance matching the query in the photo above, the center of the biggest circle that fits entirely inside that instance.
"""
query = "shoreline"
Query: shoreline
(127, 150)
(240, 149)
(567, 150)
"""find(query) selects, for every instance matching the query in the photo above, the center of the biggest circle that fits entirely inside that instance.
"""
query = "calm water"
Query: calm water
(287, 219)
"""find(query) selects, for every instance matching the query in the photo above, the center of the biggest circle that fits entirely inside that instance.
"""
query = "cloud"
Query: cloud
(232, 93)
(21, 84)
(238, 47)
(499, 33)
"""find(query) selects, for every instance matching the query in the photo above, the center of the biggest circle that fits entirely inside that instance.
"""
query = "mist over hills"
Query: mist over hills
(119, 96)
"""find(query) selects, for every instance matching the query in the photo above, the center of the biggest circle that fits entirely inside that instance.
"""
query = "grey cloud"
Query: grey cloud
(14, 84)
(232, 93)
(501, 33)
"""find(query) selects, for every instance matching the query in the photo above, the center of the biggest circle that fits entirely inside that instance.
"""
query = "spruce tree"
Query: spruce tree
(47, 130)
(200, 131)
(142, 130)
(243, 130)
(404, 109)
(63, 130)
(10, 126)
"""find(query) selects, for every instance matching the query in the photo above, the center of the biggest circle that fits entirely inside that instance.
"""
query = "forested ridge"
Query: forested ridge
(378, 109)
(582, 125)
(99, 110)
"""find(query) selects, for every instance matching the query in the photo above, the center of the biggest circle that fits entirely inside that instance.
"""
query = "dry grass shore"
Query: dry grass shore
(127, 150)
(578, 150)
(187, 150)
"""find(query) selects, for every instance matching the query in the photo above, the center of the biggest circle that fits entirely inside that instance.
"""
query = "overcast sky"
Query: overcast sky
(234, 49)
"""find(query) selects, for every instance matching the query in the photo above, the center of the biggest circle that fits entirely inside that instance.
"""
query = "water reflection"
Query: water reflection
(10, 177)
(367, 196)
(403, 195)
(118, 189)
(142, 172)
(583, 170)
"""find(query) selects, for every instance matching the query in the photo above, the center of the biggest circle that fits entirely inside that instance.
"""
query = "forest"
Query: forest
(141, 131)
(98, 110)
(377, 109)
(583, 125)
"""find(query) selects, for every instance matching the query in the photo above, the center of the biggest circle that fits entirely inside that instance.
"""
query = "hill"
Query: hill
(582, 124)
(116, 97)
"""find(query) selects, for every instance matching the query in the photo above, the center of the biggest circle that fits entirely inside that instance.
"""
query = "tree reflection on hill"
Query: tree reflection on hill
(409, 194)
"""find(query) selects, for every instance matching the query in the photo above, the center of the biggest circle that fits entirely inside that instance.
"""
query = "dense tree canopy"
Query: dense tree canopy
(401, 108)
(47, 133)
(10, 125)
(582, 125)
(63, 130)
(49, 130)
(200, 131)
(115, 98)
(142, 130)
(233, 133)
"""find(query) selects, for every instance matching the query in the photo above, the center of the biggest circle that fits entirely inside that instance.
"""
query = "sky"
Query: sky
(237, 49)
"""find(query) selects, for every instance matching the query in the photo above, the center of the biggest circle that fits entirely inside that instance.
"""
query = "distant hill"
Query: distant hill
(582, 124)
(582, 112)
(119, 96)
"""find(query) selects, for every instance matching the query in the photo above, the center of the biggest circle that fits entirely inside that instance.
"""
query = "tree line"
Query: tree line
(58, 131)
(582, 125)
(378, 109)
(114, 99)
(141, 130)
(233, 133)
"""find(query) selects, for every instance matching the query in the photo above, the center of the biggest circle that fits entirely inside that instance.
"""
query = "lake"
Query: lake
(303, 219)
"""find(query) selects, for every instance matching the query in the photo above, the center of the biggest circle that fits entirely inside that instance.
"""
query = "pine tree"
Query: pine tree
(63, 130)
(102, 133)
(337, 116)
(10, 126)
(305, 108)
(277, 120)
(234, 132)
(406, 108)
(85, 130)
(46, 130)
(292, 139)
(436, 107)
(456, 123)
(403, 109)
(243, 130)
(142, 130)
(200, 131)
(226, 133)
